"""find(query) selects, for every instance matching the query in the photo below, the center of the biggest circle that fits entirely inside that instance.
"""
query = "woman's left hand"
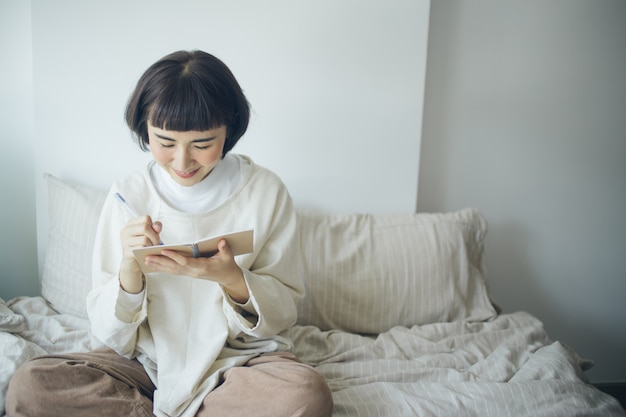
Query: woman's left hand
(220, 267)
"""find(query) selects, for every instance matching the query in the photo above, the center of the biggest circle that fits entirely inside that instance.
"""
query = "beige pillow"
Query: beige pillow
(74, 210)
(363, 273)
(366, 274)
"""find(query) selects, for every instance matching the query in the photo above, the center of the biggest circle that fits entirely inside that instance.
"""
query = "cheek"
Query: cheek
(159, 154)
(211, 157)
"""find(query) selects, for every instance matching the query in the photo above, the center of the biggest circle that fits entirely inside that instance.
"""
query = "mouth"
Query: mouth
(186, 174)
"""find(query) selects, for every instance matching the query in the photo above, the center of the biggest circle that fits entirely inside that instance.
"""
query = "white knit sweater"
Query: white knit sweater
(187, 330)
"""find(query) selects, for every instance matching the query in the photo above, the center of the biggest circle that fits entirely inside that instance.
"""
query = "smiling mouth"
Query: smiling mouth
(186, 174)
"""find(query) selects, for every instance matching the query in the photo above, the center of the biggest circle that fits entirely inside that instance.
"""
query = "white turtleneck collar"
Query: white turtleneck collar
(206, 195)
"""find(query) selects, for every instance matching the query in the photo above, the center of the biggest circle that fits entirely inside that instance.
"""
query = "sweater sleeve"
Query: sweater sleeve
(273, 280)
(114, 321)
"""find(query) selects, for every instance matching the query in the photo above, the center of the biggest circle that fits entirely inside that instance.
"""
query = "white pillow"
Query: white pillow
(74, 210)
(366, 274)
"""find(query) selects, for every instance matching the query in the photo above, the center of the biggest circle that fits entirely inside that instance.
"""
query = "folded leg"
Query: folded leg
(100, 383)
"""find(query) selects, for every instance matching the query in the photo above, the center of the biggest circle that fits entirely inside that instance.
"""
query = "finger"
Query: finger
(139, 232)
(160, 263)
(152, 230)
(145, 227)
(177, 257)
(173, 262)
(139, 239)
(135, 236)
(224, 247)
(139, 220)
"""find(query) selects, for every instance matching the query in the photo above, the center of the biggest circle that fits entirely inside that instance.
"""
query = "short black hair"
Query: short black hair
(188, 90)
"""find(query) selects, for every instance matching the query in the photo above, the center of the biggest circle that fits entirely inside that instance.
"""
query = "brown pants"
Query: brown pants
(102, 383)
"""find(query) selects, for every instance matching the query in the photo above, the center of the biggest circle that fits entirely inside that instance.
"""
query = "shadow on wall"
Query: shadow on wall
(516, 285)
(18, 239)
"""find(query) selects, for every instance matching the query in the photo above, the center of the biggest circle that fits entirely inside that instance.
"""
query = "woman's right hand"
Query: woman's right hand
(138, 232)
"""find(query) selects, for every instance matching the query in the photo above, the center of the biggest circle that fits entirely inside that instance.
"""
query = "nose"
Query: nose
(183, 157)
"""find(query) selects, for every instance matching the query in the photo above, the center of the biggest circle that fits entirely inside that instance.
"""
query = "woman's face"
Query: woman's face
(187, 156)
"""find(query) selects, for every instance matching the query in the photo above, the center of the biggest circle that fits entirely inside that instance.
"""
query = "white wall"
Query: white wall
(332, 85)
(17, 211)
(329, 84)
(525, 119)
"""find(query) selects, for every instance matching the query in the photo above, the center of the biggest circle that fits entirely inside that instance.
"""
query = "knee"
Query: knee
(35, 386)
(20, 391)
(316, 399)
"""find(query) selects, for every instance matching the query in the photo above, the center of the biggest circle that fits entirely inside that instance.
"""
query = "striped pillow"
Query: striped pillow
(363, 273)
(366, 274)
(74, 211)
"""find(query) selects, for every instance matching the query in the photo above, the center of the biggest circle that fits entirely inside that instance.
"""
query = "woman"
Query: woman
(199, 336)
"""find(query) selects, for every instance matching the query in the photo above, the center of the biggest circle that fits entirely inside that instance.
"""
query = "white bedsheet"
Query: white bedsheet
(504, 367)
(46, 332)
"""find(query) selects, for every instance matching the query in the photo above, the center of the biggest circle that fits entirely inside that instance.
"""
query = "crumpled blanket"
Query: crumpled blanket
(507, 366)
(29, 327)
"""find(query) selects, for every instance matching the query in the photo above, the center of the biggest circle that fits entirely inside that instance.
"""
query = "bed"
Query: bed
(397, 317)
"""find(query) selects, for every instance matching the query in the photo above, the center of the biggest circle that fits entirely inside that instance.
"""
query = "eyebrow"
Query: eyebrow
(202, 140)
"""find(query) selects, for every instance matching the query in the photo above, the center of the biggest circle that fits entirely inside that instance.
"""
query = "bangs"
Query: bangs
(187, 91)
(185, 106)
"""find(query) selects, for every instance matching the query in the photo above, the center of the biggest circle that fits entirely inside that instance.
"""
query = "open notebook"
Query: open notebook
(240, 243)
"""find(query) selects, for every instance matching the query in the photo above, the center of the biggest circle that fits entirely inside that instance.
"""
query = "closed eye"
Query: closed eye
(199, 144)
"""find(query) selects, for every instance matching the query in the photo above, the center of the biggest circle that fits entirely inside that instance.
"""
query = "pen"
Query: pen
(126, 205)
(128, 208)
